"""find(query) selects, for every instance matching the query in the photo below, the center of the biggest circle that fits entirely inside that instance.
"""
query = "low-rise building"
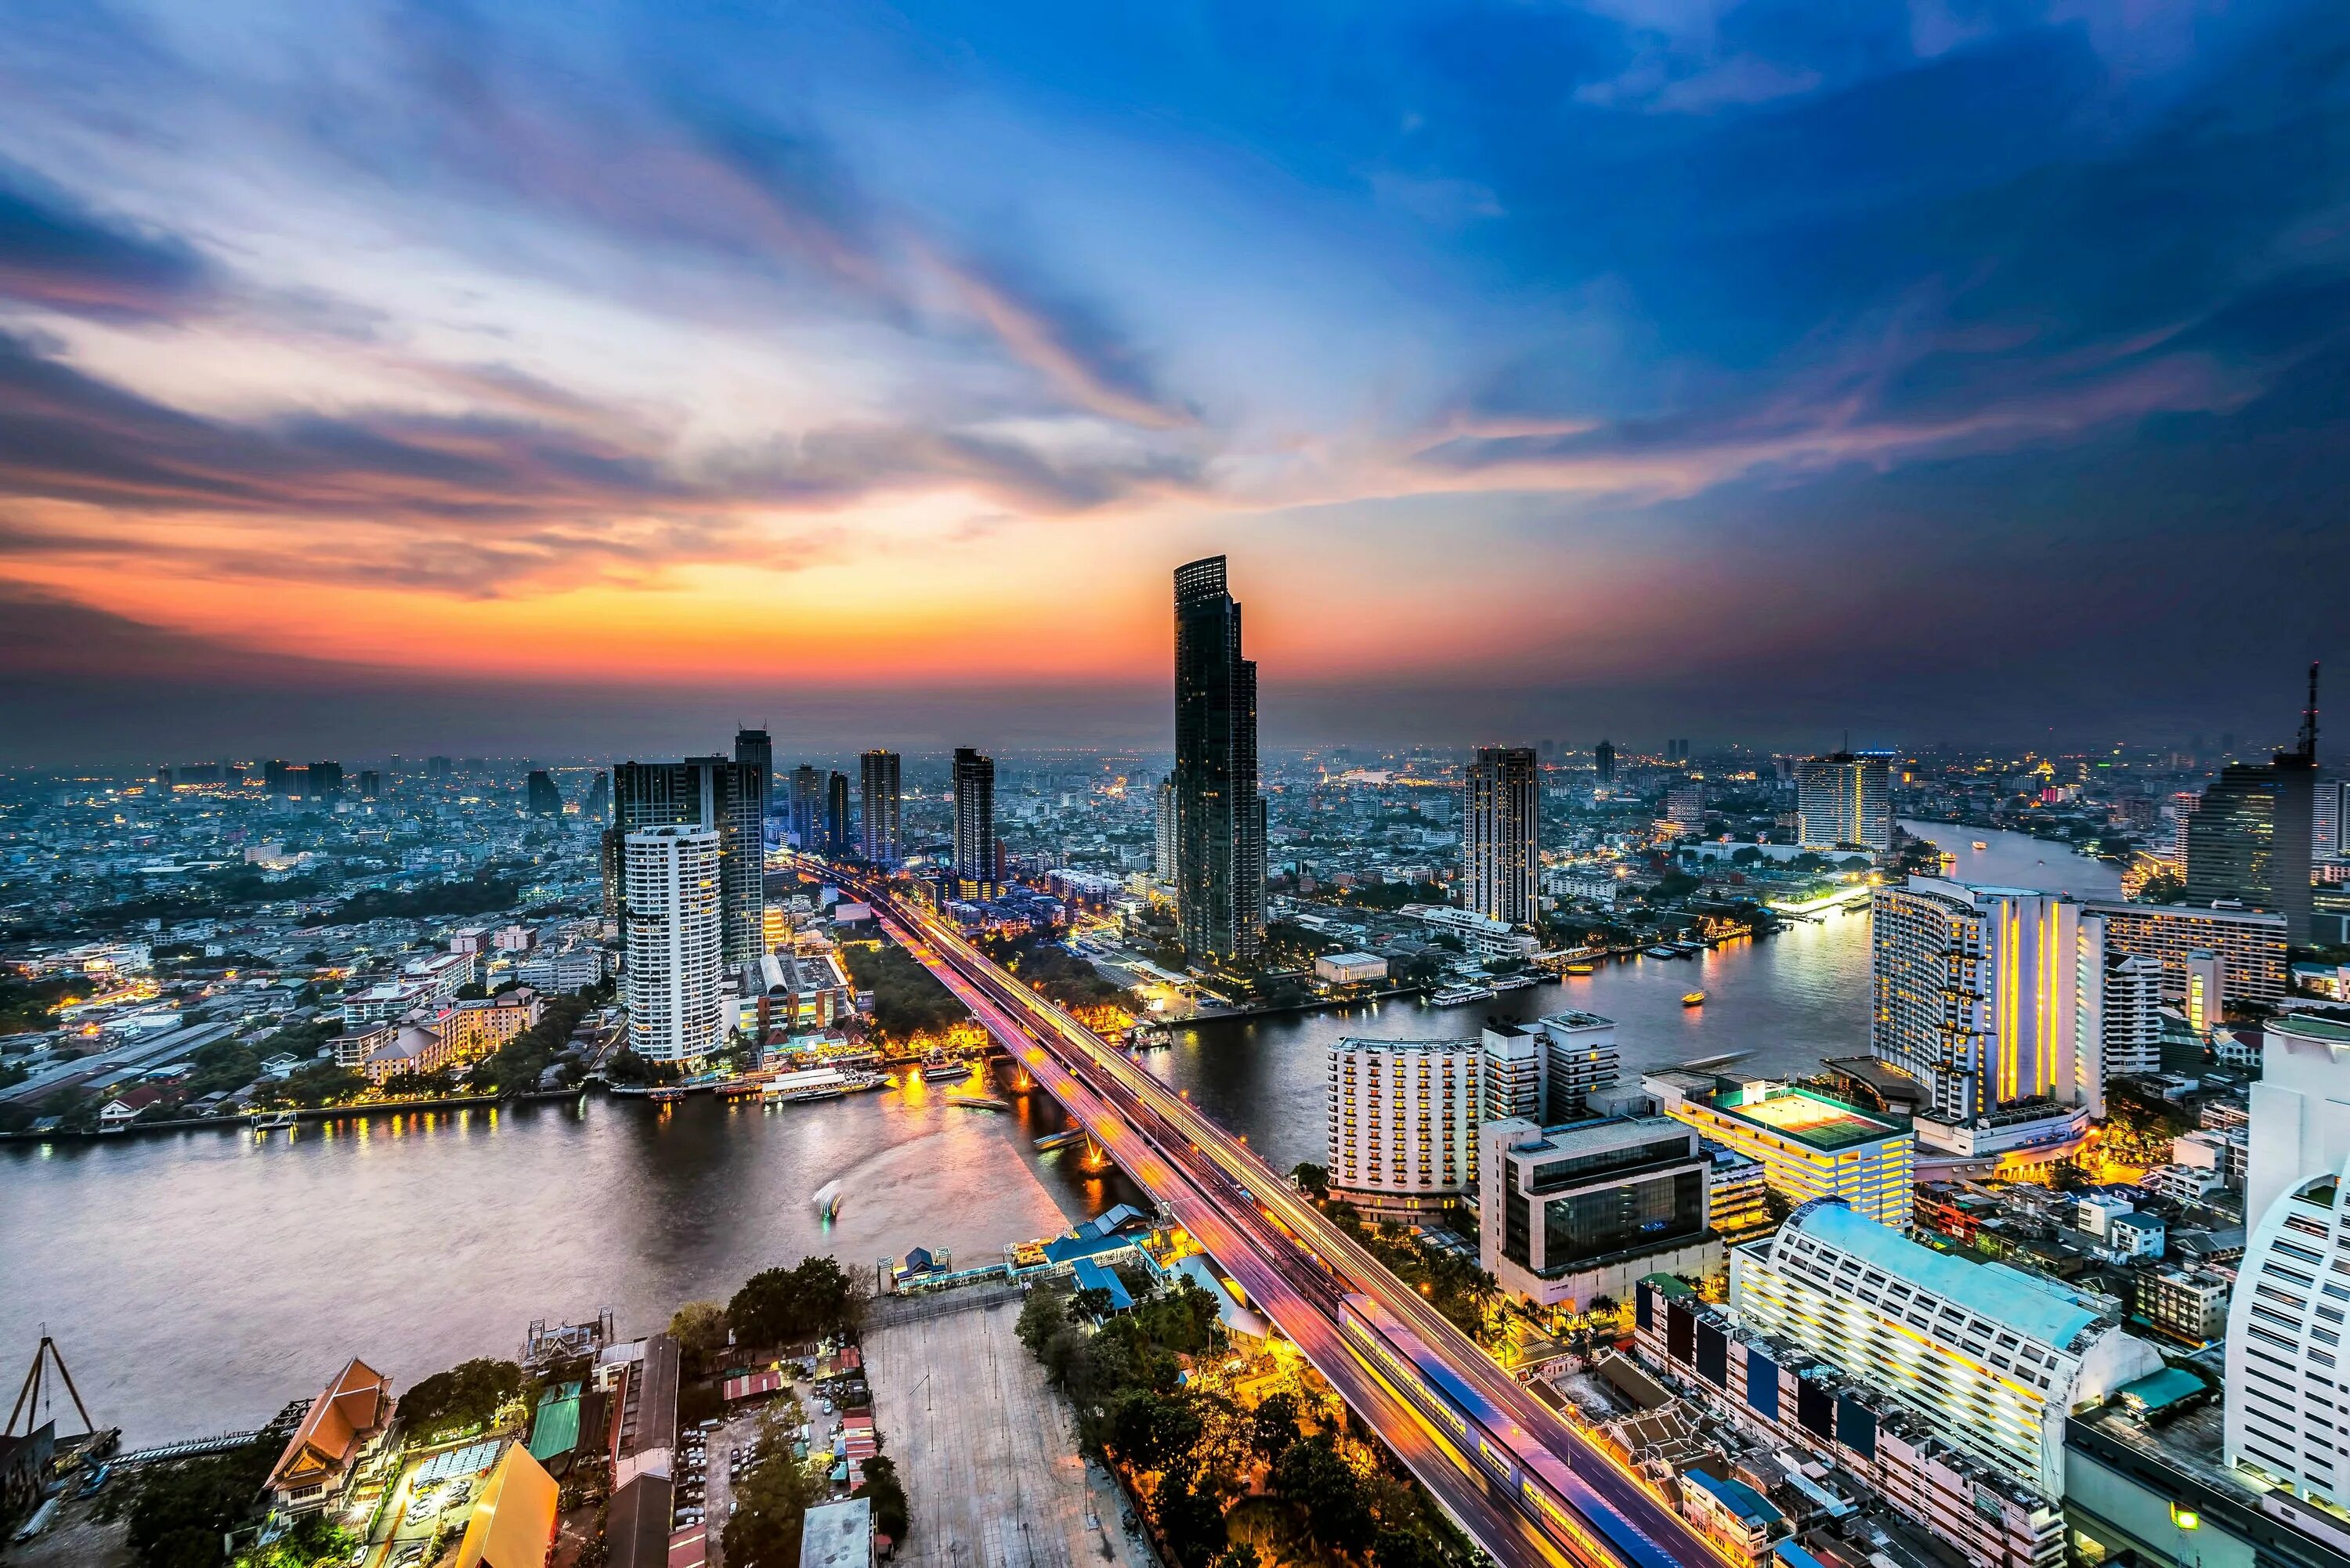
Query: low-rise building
(479, 1025)
(1809, 1146)
(342, 1432)
(513, 1522)
(2187, 1304)
(1730, 1513)
(412, 1048)
(1569, 1214)
(838, 1535)
(1350, 968)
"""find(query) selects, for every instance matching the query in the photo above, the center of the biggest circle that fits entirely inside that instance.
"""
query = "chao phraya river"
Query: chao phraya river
(198, 1280)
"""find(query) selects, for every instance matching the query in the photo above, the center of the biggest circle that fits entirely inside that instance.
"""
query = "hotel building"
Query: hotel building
(1809, 1146)
(2249, 942)
(2285, 1384)
(675, 955)
(1845, 800)
(1974, 994)
(1991, 1358)
(2118, 1010)
(1403, 1124)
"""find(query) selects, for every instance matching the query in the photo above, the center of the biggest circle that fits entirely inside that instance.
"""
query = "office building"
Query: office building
(804, 810)
(543, 798)
(1780, 1395)
(1974, 994)
(1403, 1124)
(2251, 942)
(600, 798)
(1579, 1057)
(839, 827)
(1219, 817)
(974, 815)
(673, 924)
(1685, 809)
(1808, 1145)
(881, 808)
(1500, 823)
(1844, 800)
(370, 785)
(2300, 1123)
(2188, 1305)
(2251, 837)
(1603, 764)
(324, 781)
(1165, 857)
(1991, 1357)
(711, 792)
(1569, 1214)
(2119, 1003)
(754, 747)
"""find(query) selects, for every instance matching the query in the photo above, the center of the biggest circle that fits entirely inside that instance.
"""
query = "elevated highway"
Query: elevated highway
(1302, 1272)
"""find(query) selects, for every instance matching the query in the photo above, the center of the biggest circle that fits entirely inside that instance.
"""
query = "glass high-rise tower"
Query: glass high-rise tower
(1219, 815)
(721, 796)
(974, 820)
(881, 807)
(1501, 817)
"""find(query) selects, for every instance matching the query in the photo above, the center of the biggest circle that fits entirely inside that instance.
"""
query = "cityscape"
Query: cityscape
(658, 909)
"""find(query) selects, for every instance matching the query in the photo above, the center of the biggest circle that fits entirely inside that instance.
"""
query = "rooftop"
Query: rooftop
(2041, 1309)
(1736, 1496)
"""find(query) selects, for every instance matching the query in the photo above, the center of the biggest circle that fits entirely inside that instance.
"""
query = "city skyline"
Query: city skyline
(1603, 370)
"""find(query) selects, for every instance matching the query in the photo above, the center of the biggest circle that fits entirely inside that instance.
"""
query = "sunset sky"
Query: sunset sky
(584, 377)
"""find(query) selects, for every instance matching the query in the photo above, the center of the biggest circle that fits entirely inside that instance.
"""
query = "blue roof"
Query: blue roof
(2161, 1390)
(1067, 1248)
(1738, 1497)
(2039, 1309)
(1794, 1556)
(1092, 1276)
(1112, 1221)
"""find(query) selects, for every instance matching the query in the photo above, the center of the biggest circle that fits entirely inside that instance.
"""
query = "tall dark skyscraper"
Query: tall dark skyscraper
(714, 793)
(880, 839)
(2250, 835)
(1501, 822)
(1603, 763)
(544, 798)
(807, 805)
(839, 837)
(326, 781)
(753, 746)
(975, 819)
(1219, 815)
(600, 799)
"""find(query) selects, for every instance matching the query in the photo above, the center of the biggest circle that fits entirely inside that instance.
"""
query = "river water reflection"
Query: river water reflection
(198, 1280)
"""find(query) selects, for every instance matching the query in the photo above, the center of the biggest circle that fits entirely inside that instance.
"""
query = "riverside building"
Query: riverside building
(1501, 818)
(1403, 1124)
(2251, 942)
(719, 796)
(1807, 1144)
(1220, 817)
(1845, 799)
(1569, 1214)
(675, 955)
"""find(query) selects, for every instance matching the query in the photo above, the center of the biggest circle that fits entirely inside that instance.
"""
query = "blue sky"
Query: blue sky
(1756, 369)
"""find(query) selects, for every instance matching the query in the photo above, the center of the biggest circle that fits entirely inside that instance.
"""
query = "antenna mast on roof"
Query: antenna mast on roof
(2309, 718)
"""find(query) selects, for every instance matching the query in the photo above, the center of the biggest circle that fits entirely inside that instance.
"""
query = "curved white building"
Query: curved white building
(2286, 1385)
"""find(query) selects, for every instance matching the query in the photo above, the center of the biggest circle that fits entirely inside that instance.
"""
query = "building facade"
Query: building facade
(2117, 998)
(676, 959)
(1501, 826)
(1219, 816)
(2251, 942)
(1808, 1145)
(1973, 993)
(715, 794)
(1991, 1357)
(2300, 1124)
(1569, 1214)
(1844, 800)
(1403, 1122)
(1579, 1057)
(881, 802)
(2286, 1385)
(974, 815)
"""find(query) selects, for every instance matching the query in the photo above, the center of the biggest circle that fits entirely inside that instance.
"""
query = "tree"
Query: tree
(1312, 1477)
(777, 1306)
(700, 1330)
(469, 1394)
(1312, 1179)
(1404, 1549)
(1746, 855)
(177, 1512)
(1273, 1425)
(772, 1502)
(1154, 1433)
(892, 1516)
(1191, 1519)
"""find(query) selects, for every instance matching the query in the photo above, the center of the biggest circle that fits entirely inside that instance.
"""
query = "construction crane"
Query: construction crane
(35, 1396)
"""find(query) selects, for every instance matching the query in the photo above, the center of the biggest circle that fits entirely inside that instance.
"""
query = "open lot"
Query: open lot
(987, 1451)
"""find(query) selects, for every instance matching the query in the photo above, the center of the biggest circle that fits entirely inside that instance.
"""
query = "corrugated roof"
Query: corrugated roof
(2039, 1308)
(1736, 1496)
(2159, 1390)
(1092, 1276)
(557, 1429)
(513, 1524)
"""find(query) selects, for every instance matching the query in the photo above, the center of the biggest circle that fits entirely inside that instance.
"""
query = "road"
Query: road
(1294, 1264)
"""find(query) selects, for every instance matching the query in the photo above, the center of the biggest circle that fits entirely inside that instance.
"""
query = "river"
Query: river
(197, 1281)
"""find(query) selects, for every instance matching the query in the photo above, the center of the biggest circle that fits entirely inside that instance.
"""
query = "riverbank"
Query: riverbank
(253, 1122)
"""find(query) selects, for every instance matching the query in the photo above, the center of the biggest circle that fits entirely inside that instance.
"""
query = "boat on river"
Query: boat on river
(1517, 982)
(1580, 968)
(979, 1102)
(1693, 999)
(827, 1200)
(1454, 995)
(1978, 844)
(940, 1069)
(1659, 951)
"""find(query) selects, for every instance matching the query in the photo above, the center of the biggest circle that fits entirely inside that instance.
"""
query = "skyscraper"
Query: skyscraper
(2118, 1003)
(1845, 799)
(974, 819)
(600, 799)
(754, 746)
(723, 796)
(808, 805)
(2252, 835)
(1974, 993)
(880, 805)
(1165, 856)
(1603, 764)
(326, 782)
(544, 798)
(673, 932)
(1501, 819)
(838, 838)
(1220, 817)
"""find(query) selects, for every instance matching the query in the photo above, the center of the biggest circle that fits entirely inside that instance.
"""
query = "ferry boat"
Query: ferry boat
(1579, 969)
(979, 1102)
(944, 1070)
(1516, 982)
(812, 1092)
(1452, 996)
(1693, 999)
(1660, 951)
(1978, 844)
(282, 1122)
(668, 1094)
